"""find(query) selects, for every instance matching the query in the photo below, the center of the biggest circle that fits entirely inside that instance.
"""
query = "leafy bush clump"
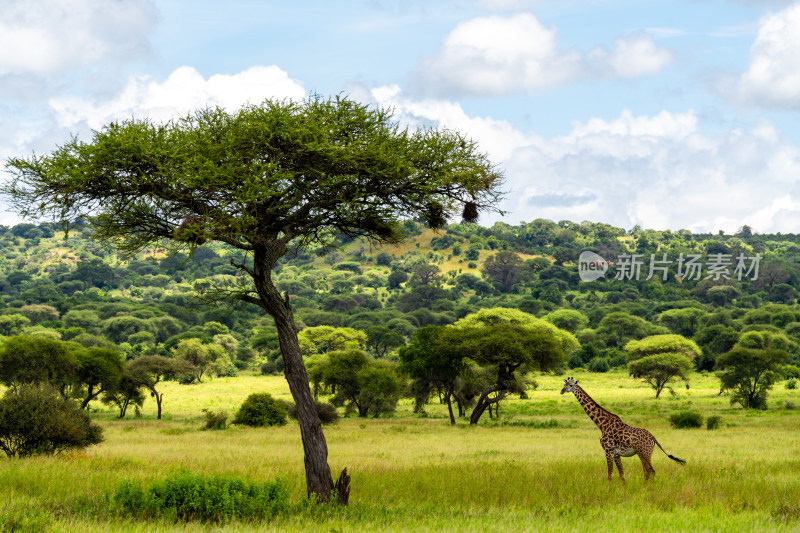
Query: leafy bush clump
(186, 496)
(686, 419)
(599, 364)
(326, 411)
(791, 384)
(261, 409)
(713, 422)
(216, 419)
(791, 372)
(35, 419)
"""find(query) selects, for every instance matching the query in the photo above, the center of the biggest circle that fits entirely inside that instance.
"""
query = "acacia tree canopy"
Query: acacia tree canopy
(264, 179)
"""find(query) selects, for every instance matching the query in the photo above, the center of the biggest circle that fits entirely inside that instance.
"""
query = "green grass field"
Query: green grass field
(412, 473)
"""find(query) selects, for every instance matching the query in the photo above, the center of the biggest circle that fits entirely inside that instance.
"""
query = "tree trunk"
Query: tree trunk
(123, 408)
(88, 398)
(484, 402)
(319, 481)
(450, 408)
(158, 398)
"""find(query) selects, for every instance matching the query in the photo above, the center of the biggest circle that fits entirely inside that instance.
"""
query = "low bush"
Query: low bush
(216, 419)
(35, 419)
(261, 409)
(599, 364)
(686, 419)
(791, 384)
(326, 411)
(186, 496)
(713, 422)
(791, 372)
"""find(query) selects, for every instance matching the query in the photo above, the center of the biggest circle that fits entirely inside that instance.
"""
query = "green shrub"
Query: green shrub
(713, 422)
(686, 419)
(25, 517)
(326, 411)
(187, 496)
(791, 372)
(35, 419)
(791, 384)
(261, 409)
(599, 364)
(216, 419)
(575, 360)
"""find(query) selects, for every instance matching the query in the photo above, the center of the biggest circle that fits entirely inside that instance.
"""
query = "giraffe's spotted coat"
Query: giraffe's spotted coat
(618, 438)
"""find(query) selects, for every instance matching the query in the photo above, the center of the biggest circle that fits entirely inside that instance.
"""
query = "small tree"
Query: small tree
(127, 393)
(507, 340)
(660, 358)
(749, 373)
(379, 388)
(504, 268)
(37, 360)
(149, 370)
(567, 319)
(100, 370)
(322, 339)
(35, 419)
(430, 365)
(194, 352)
(381, 339)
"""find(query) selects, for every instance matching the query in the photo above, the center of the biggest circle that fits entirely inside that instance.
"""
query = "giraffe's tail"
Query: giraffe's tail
(679, 461)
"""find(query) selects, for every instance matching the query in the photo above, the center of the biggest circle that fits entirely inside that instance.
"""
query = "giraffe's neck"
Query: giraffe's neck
(598, 415)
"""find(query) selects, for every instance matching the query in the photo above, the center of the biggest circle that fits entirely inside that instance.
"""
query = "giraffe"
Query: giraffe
(618, 439)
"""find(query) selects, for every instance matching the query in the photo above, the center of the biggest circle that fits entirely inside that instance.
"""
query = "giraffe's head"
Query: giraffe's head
(570, 385)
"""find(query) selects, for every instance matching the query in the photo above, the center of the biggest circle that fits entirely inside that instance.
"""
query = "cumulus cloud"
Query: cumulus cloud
(493, 56)
(182, 92)
(773, 76)
(55, 35)
(660, 171)
(632, 57)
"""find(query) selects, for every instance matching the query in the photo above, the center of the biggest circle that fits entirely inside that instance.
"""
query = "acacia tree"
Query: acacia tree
(507, 340)
(430, 364)
(150, 370)
(660, 358)
(266, 179)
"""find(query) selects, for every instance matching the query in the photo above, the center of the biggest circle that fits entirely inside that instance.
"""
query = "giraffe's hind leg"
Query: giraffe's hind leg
(645, 454)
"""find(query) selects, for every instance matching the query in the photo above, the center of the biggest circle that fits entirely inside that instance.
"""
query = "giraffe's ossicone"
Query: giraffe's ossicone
(618, 438)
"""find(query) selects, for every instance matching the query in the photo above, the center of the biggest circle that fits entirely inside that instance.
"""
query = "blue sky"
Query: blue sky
(669, 115)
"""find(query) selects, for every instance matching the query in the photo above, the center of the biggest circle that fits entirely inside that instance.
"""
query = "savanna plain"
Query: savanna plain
(539, 467)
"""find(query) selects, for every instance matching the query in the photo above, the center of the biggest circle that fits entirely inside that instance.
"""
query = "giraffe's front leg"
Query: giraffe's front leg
(608, 447)
(618, 460)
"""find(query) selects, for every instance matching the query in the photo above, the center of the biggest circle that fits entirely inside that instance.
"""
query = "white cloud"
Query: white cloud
(773, 76)
(496, 55)
(632, 57)
(55, 35)
(492, 56)
(661, 171)
(182, 92)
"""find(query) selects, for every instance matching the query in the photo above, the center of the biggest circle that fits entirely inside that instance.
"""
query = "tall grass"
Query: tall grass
(540, 467)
